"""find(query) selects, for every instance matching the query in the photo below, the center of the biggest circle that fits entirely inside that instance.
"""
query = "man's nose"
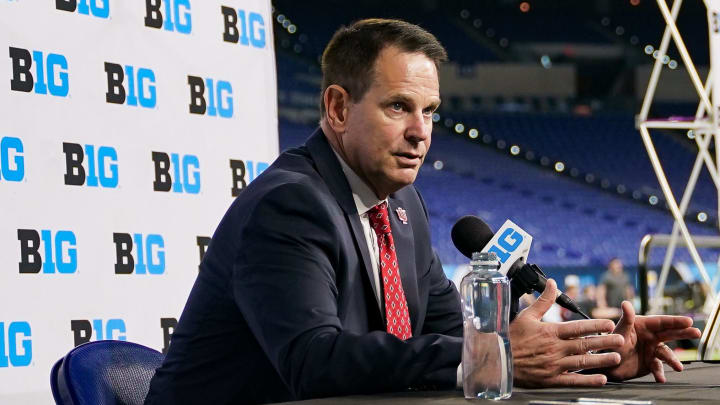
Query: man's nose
(419, 127)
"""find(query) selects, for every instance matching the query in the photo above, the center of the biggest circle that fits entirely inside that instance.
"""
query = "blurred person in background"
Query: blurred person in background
(614, 288)
(587, 301)
(571, 291)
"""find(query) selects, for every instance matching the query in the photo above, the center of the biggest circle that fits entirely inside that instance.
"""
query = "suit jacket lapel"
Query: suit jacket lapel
(405, 250)
(331, 172)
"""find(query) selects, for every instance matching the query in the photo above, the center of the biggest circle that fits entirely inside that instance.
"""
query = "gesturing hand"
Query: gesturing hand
(544, 354)
(644, 350)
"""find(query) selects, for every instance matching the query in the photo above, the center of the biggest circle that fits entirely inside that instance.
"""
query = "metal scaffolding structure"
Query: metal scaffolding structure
(705, 125)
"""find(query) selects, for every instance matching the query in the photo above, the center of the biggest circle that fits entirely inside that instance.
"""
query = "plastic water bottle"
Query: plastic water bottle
(486, 359)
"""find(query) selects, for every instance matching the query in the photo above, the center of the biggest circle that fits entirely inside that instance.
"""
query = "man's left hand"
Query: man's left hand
(644, 349)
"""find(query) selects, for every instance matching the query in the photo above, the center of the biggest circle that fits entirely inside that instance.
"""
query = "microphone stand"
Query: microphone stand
(526, 278)
(523, 279)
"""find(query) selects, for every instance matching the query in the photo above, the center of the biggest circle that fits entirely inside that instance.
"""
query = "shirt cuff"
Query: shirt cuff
(459, 383)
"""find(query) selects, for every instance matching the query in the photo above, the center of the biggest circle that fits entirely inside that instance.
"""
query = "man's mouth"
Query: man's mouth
(410, 159)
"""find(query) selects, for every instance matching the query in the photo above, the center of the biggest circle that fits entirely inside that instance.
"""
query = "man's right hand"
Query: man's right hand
(545, 354)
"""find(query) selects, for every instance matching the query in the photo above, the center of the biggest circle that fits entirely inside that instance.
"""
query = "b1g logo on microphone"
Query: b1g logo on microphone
(12, 160)
(185, 172)
(96, 8)
(243, 172)
(509, 240)
(509, 243)
(149, 257)
(251, 31)
(138, 89)
(219, 101)
(168, 326)
(15, 344)
(101, 167)
(59, 251)
(85, 330)
(50, 73)
(177, 16)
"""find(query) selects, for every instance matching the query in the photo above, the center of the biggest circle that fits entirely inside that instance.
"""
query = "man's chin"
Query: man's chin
(404, 178)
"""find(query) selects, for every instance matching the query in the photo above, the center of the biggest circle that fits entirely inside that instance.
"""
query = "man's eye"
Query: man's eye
(397, 106)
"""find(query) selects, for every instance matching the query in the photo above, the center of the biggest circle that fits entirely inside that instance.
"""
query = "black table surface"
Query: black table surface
(699, 383)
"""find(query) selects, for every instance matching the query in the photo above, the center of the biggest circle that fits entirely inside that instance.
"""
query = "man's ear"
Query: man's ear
(337, 102)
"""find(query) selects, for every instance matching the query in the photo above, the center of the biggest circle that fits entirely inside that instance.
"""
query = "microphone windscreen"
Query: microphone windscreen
(470, 234)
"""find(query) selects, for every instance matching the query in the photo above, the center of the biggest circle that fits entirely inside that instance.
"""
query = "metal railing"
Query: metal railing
(710, 332)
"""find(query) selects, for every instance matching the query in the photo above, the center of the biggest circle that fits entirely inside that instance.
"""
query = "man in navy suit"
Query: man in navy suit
(321, 279)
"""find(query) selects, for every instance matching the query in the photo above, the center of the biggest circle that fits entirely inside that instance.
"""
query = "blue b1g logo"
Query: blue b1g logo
(60, 246)
(140, 88)
(149, 249)
(243, 172)
(12, 161)
(251, 31)
(16, 349)
(185, 172)
(219, 97)
(83, 330)
(102, 168)
(51, 72)
(96, 8)
(508, 242)
(177, 16)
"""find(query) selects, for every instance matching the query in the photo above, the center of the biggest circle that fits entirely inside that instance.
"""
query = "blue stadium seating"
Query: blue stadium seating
(573, 224)
(606, 145)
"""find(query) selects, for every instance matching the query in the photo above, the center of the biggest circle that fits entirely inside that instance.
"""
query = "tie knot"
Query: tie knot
(379, 221)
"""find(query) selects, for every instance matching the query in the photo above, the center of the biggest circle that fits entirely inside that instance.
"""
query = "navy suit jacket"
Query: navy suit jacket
(284, 308)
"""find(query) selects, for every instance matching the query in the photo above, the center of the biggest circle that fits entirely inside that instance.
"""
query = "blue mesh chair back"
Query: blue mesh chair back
(106, 372)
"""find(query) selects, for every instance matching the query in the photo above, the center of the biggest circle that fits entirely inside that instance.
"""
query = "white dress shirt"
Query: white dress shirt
(365, 199)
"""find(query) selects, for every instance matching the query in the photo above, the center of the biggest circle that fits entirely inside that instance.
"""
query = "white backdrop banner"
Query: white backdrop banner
(126, 129)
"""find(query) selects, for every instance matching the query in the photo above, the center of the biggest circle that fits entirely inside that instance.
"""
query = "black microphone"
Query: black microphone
(471, 234)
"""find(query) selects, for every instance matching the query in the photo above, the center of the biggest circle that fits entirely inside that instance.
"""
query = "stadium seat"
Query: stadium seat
(105, 372)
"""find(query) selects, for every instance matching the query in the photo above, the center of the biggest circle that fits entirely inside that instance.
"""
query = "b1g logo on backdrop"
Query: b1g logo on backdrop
(177, 17)
(168, 327)
(130, 85)
(15, 344)
(203, 242)
(12, 160)
(149, 257)
(85, 330)
(101, 168)
(251, 31)
(219, 101)
(243, 172)
(95, 8)
(50, 72)
(185, 177)
(58, 253)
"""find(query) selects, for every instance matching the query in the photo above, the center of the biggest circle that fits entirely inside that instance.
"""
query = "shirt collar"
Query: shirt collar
(364, 197)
